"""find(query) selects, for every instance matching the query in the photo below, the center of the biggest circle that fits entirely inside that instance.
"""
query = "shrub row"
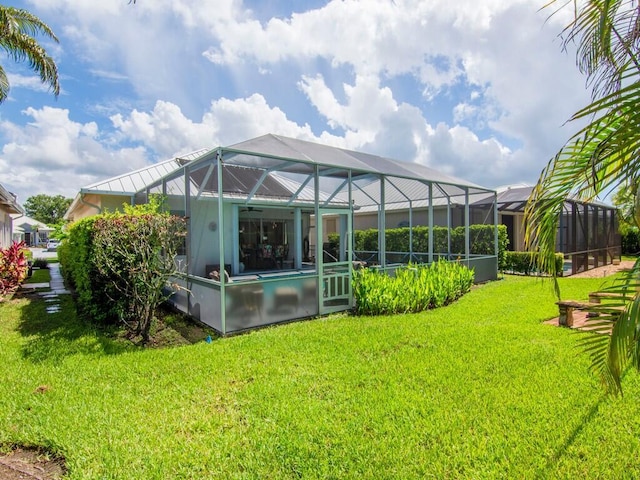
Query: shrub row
(118, 264)
(397, 240)
(526, 262)
(414, 288)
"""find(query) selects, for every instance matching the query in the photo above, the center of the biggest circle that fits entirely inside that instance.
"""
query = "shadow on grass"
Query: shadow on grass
(552, 462)
(55, 335)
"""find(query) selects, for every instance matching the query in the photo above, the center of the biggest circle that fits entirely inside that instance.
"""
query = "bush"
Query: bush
(414, 288)
(75, 256)
(41, 263)
(631, 241)
(526, 262)
(119, 263)
(13, 268)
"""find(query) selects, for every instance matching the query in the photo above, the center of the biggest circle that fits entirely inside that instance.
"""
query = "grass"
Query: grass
(478, 389)
(41, 275)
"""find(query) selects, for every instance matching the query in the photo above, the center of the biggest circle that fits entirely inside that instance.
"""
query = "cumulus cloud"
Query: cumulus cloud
(52, 153)
(489, 91)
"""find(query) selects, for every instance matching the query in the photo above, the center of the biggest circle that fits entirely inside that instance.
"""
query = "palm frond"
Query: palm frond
(17, 30)
(603, 154)
(4, 85)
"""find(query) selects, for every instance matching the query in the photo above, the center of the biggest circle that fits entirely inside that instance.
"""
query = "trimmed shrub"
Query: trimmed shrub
(119, 263)
(413, 288)
(41, 263)
(397, 240)
(526, 262)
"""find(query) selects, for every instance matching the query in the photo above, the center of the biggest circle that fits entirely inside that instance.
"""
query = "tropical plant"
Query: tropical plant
(602, 155)
(412, 288)
(13, 268)
(18, 28)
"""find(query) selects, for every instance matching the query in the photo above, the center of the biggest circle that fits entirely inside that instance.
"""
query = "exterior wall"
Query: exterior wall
(93, 204)
(6, 228)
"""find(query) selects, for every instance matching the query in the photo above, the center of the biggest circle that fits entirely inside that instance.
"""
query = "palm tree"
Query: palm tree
(17, 30)
(599, 157)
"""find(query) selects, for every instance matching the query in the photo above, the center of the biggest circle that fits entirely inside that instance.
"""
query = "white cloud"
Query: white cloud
(505, 85)
(54, 154)
(30, 82)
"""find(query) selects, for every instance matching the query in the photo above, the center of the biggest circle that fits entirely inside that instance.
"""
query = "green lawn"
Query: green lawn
(41, 275)
(479, 389)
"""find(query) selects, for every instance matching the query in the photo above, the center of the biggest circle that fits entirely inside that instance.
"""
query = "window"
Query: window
(266, 237)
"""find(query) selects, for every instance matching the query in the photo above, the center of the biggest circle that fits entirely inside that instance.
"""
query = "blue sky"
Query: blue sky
(479, 89)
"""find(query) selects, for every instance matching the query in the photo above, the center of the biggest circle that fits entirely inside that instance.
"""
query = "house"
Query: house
(258, 211)
(8, 206)
(587, 236)
(30, 230)
(260, 214)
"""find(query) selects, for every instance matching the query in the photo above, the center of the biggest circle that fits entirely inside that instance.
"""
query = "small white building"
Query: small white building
(30, 230)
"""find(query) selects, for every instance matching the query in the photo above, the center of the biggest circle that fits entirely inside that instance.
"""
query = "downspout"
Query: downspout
(91, 205)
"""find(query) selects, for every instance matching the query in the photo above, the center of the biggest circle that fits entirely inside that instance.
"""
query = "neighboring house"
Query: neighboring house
(587, 231)
(587, 234)
(30, 230)
(254, 254)
(8, 206)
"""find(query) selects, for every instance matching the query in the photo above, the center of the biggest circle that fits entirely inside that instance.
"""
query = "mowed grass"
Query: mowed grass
(479, 389)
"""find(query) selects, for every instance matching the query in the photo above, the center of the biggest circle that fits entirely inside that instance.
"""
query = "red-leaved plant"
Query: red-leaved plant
(13, 268)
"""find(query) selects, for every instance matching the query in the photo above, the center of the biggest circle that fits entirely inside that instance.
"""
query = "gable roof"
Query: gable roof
(28, 224)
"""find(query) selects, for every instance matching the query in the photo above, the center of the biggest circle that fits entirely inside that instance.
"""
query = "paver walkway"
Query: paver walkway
(55, 288)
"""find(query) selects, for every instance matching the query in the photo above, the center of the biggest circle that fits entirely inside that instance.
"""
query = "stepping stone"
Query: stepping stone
(29, 286)
(53, 309)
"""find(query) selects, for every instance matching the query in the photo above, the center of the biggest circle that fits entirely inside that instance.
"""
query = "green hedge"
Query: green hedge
(397, 240)
(413, 288)
(76, 261)
(117, 263)
(631, 241)
(525, 262)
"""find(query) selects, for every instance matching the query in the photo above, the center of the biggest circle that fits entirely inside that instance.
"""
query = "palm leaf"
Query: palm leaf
(603, 154)
(17, 30)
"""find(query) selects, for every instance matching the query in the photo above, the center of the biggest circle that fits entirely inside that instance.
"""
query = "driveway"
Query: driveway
(43, 253)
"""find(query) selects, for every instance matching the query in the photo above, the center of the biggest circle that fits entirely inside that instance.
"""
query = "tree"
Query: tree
(47, 208)
(600, 156)
(17, 31)
(625, 200)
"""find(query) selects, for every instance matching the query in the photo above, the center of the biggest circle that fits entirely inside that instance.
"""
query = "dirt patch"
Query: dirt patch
(27, 463)
(170, 329)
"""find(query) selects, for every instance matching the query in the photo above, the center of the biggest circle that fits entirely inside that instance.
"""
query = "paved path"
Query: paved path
(55, 287)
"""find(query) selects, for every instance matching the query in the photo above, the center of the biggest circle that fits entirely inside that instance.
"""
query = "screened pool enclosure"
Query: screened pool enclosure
(271, 228)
